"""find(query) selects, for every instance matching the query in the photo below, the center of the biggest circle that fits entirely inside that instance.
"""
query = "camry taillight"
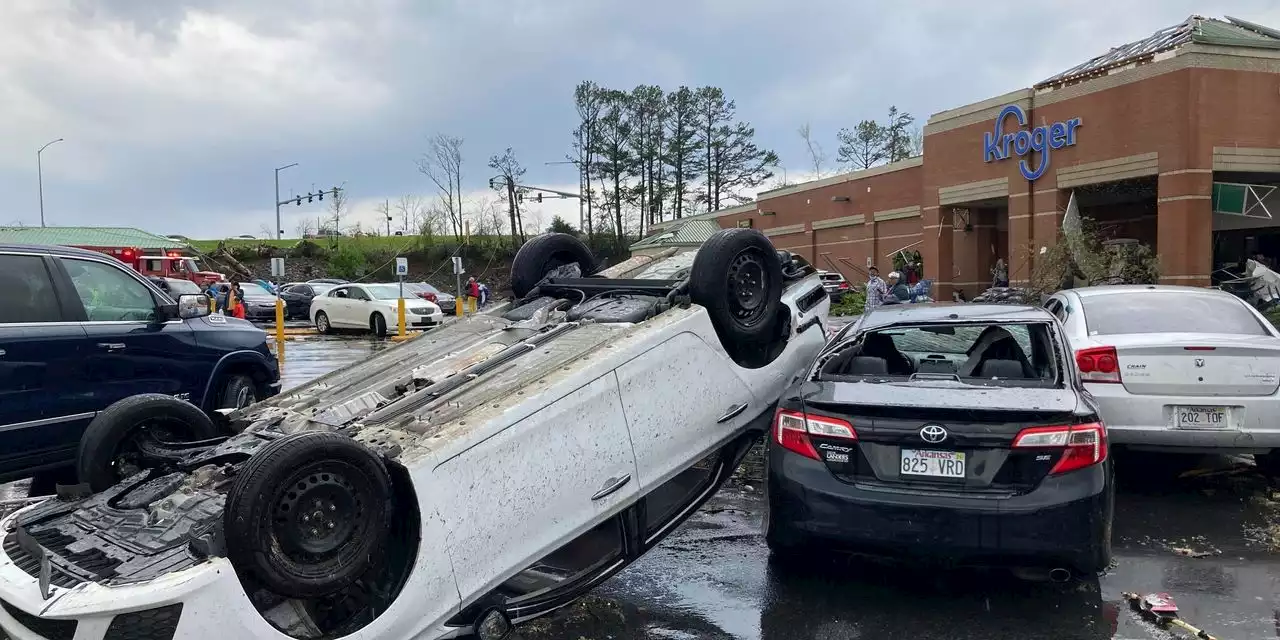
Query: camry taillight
(791, 430)
(1083, 445)
(1099, 364)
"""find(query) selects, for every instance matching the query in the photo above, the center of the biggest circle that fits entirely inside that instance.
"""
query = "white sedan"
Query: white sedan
(1177, 369)
(487, 473)
(372, 307)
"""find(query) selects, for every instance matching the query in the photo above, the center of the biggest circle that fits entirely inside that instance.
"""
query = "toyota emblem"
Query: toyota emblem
(933, 433)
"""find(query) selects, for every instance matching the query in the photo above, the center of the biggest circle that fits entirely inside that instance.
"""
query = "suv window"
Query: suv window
(27, 291)
(1168, 312)
(109, 294)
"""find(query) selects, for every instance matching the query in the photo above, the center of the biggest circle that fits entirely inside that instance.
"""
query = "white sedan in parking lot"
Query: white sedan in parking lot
(1178, 369)
(371, 307)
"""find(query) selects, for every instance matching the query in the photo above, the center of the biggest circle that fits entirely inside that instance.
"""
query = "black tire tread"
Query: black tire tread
(226, 398)
(246, 505)
(104, 433)
(378, 324)
(529, 266)
(707, 283)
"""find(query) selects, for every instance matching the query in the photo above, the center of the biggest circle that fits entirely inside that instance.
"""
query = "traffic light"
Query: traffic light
(308, 197)
(321, 194)
(298, 201)
(520, 197)
(538, 198)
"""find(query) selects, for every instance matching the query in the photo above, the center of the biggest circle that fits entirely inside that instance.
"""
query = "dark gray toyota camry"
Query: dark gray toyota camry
(949, 432)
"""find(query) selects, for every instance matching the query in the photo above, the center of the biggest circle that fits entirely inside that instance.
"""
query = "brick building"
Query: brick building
(1173, 140)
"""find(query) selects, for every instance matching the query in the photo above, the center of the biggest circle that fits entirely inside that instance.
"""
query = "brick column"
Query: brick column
(938, 250)
(1184, 227)
(1020, 239)
(1050, 205)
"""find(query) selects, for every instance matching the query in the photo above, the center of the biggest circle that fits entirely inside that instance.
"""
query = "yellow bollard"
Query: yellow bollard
(280, 351)
(279, 320)
(400, 316)
(457, 306)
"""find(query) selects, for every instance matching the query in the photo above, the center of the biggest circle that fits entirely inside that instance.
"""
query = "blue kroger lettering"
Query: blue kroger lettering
(998, 145)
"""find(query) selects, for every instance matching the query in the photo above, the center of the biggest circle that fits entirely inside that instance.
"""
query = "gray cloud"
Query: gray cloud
(174, 113)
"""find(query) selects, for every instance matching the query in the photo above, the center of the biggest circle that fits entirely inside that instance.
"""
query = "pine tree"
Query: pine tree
(681, 146)
(863, 147)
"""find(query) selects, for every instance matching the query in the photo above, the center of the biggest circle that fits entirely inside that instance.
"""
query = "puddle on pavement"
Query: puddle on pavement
(310, 358)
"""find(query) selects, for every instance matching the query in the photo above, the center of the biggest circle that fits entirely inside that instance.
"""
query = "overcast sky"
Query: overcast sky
(175, 112)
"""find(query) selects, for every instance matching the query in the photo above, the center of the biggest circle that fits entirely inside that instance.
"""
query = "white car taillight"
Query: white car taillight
(1084, 445)
(791, 431)
(1098, 364)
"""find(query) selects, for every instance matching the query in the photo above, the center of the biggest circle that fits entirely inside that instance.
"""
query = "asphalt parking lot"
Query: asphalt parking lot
(1206, 531)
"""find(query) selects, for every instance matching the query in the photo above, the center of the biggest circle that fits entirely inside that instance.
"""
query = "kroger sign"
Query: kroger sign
(998, 145)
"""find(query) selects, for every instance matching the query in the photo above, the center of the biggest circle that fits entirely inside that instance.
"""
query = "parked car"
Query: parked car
(1178, 369)
(80, 331)
(297, 297)
(259, 303)
(370, 307)
(329, 281)
(174, 287)
(953, 432)
(835, 284)
(450, 485)
(446, 301)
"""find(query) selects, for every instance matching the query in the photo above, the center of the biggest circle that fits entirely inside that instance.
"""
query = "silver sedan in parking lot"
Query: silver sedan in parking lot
(1178, 369)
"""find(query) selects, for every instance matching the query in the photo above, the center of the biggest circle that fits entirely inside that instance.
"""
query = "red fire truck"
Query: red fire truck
(165, 265)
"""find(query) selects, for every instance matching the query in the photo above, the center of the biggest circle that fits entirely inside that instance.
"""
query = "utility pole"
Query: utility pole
(386, 211)
(280, 231)
(297, 200)
(40, 178)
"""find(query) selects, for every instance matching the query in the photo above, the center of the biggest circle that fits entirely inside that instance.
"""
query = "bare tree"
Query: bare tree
(304, 228)
(408, 208)
(432, 220)
(915, 142)
(265, 231)
(816, 154)
(337, 209)
(442, 164)
(509, 168)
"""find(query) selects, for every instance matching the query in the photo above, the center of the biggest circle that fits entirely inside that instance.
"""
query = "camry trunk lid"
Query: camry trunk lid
(1197, 364)
(939, 435)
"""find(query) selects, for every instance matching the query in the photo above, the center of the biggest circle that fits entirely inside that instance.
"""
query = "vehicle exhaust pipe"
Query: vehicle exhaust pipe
(1060, 575)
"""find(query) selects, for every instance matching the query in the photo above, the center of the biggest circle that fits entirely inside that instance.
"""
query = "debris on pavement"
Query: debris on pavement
(1160, 609)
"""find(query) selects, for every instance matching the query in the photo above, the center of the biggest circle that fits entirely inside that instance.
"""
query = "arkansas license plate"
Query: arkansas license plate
(937, 464)
(1200, 417)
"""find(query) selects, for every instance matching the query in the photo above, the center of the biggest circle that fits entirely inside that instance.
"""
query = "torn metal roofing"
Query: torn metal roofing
(1231, 32)
(690, 233)
(87, 237)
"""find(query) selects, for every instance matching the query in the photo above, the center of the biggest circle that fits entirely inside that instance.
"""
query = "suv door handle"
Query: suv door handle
(111, 346)
(732, 413)
(611, 485)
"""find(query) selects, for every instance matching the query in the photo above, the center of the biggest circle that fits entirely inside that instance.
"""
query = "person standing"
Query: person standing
(898, 291)
(473, 292)
(877, 291)
(1000, 274)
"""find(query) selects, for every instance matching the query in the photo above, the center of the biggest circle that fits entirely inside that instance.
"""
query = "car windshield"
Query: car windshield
(832, 277)
(183, 287)
(252, 290)
(999, 354)
(383, 291)
(1168, 312)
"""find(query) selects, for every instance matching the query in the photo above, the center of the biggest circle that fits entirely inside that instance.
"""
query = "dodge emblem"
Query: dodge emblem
(1199, 362)
(933, 433)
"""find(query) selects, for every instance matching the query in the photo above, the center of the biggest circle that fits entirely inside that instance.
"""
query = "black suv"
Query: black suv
(79, 330)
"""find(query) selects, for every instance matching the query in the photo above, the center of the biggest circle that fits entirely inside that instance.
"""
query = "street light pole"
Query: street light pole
(40, 177)
(278, 170)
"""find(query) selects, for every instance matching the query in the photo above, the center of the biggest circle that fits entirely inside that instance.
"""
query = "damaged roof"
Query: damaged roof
(690, 233)
(1231, 32)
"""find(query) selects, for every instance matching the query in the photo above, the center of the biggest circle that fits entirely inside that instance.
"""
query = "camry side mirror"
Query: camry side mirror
(192, 305)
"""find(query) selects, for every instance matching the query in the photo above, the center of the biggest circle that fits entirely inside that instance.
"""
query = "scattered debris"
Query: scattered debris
(1160, 610)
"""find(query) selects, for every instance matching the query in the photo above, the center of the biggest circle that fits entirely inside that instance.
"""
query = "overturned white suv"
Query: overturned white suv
(485, 473)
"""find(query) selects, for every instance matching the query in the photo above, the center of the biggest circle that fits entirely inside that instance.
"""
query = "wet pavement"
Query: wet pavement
(714, 579)
(1211, 541)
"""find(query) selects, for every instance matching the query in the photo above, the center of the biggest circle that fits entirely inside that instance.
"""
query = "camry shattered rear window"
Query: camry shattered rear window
(997, 353)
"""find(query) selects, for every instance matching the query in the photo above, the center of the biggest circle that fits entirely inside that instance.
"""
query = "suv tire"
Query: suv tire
(238, 392)
(543, 254)
(105, 446)
(345, 492)
(737, 277)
